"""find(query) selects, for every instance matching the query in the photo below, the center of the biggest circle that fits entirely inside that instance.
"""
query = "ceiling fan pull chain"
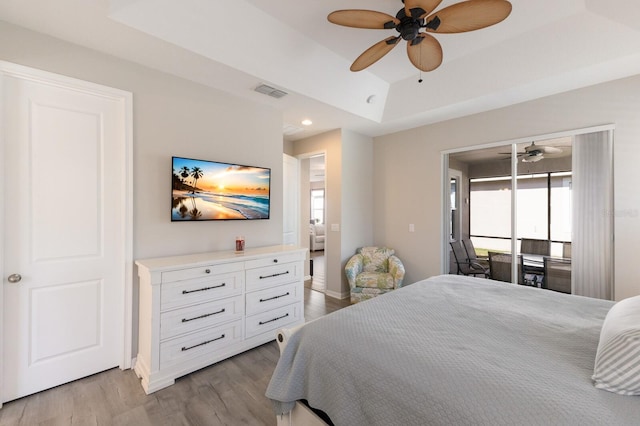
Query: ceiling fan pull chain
(420, 74)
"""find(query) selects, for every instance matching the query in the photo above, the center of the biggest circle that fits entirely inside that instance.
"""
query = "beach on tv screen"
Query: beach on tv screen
(209, 190)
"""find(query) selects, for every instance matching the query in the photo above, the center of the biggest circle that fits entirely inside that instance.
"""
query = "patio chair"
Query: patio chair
(533, 274)
(472, 255)
(464, 265)
(531, 246)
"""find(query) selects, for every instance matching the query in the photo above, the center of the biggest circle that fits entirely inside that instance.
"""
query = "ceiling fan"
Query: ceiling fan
(424, 51)
(533, 152)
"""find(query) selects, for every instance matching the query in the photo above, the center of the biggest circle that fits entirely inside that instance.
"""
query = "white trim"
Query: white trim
(128, 358)
(2, 237)
(457, 175)
(444, 212)
(8, 69)
(514, 214)
(337, 295)
(528, 139)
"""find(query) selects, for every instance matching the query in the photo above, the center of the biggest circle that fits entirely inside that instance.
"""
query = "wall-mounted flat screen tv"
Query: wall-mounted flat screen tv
(210, 190)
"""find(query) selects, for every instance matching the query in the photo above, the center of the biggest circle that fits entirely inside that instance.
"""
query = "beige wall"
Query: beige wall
(288, 147)
(171, 116)
(357, 193)
(408, 176)
(330, 144)
(348, 197)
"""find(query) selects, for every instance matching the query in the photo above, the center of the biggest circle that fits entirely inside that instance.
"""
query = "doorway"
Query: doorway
(315, 208)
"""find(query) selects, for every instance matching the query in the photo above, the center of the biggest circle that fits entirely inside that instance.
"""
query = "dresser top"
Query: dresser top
(165, 263)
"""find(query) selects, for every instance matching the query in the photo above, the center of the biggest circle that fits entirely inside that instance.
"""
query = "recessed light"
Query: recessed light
(307, 122)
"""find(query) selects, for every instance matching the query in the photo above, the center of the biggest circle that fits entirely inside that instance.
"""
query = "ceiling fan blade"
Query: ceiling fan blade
(425, 52)
(375, 52)
(551, 150)
(468, 15)
(357, 18)
(427, 5)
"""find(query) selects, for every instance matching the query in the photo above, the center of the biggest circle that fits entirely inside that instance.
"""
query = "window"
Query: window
(544, 210)
(317, 205)
(490, 213)
(561, 207)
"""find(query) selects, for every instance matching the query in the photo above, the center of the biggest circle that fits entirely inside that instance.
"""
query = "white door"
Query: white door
(291, 189)
(63, 237)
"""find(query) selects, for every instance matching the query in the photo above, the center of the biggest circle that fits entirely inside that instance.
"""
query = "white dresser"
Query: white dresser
(199, 309)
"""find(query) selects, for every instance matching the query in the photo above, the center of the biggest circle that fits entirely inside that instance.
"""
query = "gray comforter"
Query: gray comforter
(454, 350)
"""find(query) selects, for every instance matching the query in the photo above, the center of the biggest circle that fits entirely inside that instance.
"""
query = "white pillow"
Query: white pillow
(617, 366)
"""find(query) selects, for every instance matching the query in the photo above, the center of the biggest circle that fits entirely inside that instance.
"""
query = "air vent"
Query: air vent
(289, 129)
(270, 91)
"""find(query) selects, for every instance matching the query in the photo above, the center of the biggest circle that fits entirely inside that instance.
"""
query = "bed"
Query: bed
(451, 350)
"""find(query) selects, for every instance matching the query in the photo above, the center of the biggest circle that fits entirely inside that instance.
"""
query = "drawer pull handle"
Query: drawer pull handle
(275, 260)
(207, 271)
(185, 348)
(272, 320)
(203, 289)
(273, 275)
(274, 297)
(203, 316)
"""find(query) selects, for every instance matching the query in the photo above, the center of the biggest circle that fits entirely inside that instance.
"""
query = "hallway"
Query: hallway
(317, 281)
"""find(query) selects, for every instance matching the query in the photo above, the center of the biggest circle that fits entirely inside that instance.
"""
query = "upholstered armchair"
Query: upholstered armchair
(373, 271)
(316, 235)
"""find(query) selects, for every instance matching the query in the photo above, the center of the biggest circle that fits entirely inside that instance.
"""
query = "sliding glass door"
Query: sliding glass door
(524, 209)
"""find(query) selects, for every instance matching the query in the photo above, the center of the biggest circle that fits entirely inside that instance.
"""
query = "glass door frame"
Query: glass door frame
(446, 189)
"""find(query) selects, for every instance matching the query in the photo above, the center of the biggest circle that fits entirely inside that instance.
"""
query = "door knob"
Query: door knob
(14, 278)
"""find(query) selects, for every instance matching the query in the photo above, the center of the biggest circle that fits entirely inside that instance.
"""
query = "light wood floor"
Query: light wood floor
(230, 392)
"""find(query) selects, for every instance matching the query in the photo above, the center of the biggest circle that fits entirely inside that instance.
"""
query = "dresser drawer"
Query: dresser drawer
(200, 272)
(273, 260)
(272, 320)
(192, 318)
(182, 293)
(273, 297)
(204, 342)
(268, 276)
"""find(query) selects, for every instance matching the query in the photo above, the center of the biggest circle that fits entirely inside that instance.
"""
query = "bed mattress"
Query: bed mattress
(453, 350)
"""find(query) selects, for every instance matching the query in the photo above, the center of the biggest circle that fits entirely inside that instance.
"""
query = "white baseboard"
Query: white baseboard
(337, 295)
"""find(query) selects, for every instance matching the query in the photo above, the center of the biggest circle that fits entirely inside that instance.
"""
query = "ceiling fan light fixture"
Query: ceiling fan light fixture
(532, 158)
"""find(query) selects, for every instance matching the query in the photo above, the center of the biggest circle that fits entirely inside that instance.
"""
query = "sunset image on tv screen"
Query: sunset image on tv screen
(209, 190)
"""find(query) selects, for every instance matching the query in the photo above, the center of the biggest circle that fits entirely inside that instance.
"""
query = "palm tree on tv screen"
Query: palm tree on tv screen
(184, 172)
(196, 173)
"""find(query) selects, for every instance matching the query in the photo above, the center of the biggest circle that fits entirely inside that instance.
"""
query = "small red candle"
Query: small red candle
(239, 244)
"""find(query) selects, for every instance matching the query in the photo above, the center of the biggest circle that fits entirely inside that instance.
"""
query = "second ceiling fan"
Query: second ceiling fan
(534, 153)
(424, 51)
